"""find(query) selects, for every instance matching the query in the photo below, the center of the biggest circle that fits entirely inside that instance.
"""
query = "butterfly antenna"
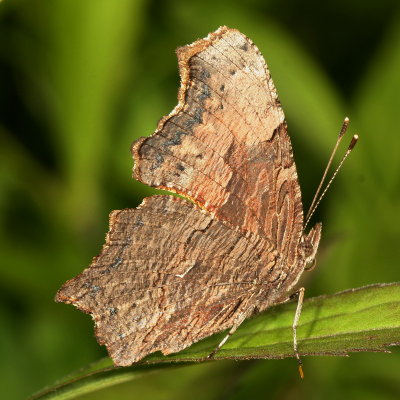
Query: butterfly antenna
(341, 134)
(353, 142)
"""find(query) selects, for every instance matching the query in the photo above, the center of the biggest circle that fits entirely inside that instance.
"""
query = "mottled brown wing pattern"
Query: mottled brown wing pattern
(173, 271)
(225, 145)
(154, 287)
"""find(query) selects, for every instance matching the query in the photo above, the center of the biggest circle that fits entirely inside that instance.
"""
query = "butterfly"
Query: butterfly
(175, 270)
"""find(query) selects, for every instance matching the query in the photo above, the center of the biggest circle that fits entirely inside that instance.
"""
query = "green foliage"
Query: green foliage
(355, 320)
(80, 80)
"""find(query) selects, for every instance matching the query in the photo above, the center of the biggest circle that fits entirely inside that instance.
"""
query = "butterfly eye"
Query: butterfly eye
(310, 265)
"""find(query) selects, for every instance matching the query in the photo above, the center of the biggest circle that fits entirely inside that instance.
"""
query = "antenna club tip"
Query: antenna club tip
(353, 142)
(344, 127)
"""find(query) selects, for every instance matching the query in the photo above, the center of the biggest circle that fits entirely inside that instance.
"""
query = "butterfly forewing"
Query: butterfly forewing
(225, 145)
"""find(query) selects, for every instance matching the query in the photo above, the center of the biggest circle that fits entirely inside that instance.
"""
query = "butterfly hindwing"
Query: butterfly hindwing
(155, 278)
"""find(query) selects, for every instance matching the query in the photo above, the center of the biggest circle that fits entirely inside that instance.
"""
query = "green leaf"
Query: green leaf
(363, 319)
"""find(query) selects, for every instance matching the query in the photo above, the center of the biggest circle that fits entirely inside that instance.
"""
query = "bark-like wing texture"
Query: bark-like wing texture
(225, 145)
(168, 275)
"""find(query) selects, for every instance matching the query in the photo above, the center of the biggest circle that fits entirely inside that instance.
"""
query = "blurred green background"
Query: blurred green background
(80, 80)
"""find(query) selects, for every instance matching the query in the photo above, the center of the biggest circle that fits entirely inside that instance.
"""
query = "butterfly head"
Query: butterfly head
(310, 242)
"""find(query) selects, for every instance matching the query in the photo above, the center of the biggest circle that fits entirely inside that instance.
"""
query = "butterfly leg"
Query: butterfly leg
(300, 298)
(236, 325)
